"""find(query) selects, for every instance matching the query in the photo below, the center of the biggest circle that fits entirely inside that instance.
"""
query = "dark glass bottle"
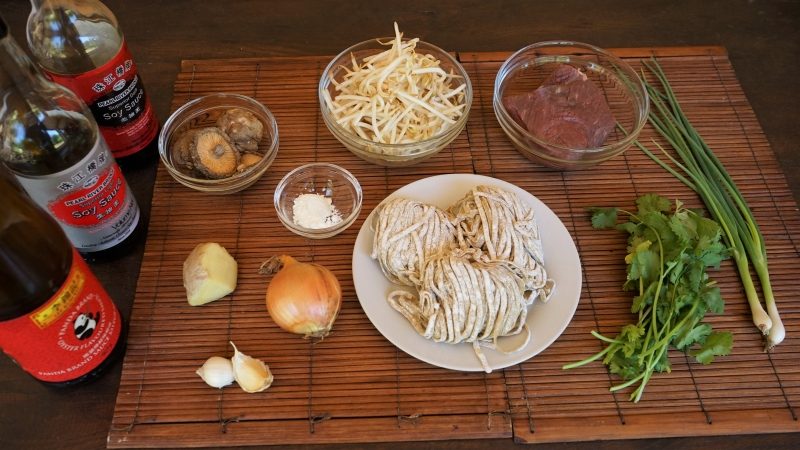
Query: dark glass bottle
(79, 45)
(50, 141)
(56, 320)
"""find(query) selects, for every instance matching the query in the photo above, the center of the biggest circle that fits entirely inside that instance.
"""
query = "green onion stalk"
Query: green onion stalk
(699, 169)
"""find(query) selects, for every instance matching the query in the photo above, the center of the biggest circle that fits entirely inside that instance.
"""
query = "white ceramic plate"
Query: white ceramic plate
(546, 320)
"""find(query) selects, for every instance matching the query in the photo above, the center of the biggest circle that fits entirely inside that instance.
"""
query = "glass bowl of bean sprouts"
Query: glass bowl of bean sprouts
(395, 101)
(318, 200)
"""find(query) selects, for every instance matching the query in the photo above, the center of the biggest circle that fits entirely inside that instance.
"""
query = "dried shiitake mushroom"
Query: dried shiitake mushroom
(181, 152)
(213, 154)
(247, 161)
(243, 127)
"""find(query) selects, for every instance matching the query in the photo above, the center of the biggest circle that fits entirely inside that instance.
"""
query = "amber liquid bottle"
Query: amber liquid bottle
(79, 45)
(51, 143)
(56, 320)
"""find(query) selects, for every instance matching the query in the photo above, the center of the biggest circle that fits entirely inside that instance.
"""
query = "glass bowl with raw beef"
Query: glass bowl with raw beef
(569, 105)
(395, 101)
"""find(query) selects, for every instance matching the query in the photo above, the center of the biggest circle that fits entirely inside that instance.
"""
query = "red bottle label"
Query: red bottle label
(116, 96)
(99, 199)
(68, 336)
(90, 200)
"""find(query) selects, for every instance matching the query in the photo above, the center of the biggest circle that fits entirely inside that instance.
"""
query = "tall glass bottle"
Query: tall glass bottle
(56, 320)
(79, 45)
(50, 142)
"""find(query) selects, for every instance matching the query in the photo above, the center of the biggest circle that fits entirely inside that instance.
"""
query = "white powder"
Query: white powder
(315, 211)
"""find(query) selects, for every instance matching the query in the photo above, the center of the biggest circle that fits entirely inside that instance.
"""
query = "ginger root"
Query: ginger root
(209, 273)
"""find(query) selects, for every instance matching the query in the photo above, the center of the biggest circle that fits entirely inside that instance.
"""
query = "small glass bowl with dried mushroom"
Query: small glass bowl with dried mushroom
(219, 143)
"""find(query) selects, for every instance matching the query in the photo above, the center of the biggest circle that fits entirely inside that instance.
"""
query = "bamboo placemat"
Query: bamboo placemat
(355, 386)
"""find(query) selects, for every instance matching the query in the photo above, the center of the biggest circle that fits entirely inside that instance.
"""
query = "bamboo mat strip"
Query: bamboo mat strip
(357, 387)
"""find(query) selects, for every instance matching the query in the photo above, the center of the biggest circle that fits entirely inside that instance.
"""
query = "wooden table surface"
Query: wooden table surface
(762, 38)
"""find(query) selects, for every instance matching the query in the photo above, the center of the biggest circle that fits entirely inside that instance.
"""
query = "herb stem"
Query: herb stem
(583, 362)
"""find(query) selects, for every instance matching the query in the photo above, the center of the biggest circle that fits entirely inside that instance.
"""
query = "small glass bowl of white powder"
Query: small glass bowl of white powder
(318, 200)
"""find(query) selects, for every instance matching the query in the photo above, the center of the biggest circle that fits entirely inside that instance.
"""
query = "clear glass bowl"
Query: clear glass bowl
(204, 112)
(328, 180)
(391, 154)
(625, 93)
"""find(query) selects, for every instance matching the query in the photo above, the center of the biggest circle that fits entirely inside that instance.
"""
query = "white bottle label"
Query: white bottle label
(90, 200)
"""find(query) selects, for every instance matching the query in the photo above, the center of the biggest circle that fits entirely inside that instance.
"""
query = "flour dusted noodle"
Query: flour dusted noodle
(464, 299)
(476, 267)
(498, 223)
(406, 234)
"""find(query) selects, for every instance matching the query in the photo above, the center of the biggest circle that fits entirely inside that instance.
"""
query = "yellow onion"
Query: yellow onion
(302, 298)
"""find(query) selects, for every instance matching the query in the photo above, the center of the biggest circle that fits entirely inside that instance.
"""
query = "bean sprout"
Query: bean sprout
(397, 96)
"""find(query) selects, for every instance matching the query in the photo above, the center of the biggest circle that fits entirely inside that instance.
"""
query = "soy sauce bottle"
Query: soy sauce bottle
(79, 45)
(51, 143)
(56, 320)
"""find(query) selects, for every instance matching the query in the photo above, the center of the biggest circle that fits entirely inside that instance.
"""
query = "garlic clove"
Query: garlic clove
(251, 374)
(216, 372)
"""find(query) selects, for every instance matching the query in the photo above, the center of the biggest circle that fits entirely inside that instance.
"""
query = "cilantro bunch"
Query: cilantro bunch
(668, 254)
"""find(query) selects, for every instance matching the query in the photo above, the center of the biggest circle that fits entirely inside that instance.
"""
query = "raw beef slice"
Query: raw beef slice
(568, 110)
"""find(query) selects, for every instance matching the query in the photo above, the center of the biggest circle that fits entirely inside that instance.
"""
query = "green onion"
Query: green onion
(698, 168)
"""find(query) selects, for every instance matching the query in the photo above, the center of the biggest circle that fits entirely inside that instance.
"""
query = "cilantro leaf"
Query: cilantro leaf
(683, 225)
(713, 299)
(707, 229)
(611, 355)
(683, 300)
(629, 348)
(679, 267)
(626, 368)
(646, 298)
(639, 302)
(632, 333)
(662, 365)
(628, 227)
(695, 275)
(603, 217)
(659, 229)
(652, 202)
(692, 335)
(718, 343)
(664, 311)
(713, 254)
(643, 263)
(622, 369)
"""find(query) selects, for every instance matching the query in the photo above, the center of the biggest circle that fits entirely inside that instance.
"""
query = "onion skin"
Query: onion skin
(302, 298)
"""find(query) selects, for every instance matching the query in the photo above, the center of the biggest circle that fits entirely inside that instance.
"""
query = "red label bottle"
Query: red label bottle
(56, 320)
(80, 46)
